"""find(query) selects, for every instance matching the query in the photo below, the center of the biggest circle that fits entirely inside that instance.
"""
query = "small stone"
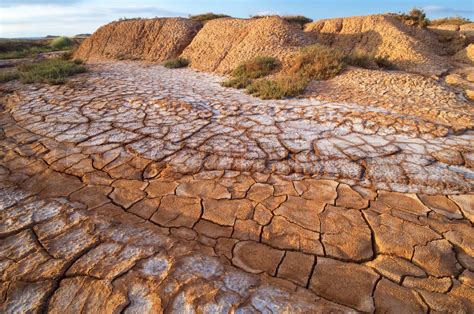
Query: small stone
(296, 267)
(255, 257)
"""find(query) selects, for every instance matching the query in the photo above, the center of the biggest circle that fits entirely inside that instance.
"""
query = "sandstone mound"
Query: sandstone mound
(223, 44)
(409, 48)
(139, 39)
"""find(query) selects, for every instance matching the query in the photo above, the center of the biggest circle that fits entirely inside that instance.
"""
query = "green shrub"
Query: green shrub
(61, 43)
(363, 60)
(297, 19)
(207, 17)
(415, 17)
(317, 62)
(454, 20)
(176, 63)
(238, 82)
(278, 88)
(54, 71)
(256, 68)
(7, 76)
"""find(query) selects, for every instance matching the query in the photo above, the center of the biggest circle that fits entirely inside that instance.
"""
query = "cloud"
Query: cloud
(68, 19)
(440, 10)
(265, 13)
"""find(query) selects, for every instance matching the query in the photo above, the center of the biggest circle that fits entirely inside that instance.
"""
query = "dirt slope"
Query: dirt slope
(224, 43)
(410, 48)
(139, 39)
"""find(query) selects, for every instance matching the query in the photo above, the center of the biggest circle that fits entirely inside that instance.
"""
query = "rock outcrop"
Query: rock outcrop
(223, 44)
(409, 48)
(139, 39)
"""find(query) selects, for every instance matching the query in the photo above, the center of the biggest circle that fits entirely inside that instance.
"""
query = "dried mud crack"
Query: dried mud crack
(138, 188)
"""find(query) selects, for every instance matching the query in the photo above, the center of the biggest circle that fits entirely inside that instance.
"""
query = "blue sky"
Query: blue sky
(28, 18)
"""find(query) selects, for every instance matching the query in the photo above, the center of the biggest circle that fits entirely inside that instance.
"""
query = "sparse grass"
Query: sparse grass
(453, 20)
(24, 53)
(278, 88)
(238, 82)
(415, 17)
(314, 62)
(176, 63)
(61, 43)
(53, 71)
(317, 62)
(363, 60)
(251, 69)
(7, 76)
(256, 67)
(207, 17)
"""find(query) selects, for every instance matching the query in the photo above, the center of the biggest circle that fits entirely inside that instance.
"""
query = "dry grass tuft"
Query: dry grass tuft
(207, 17)
(176, 63)
(278, 88)
(317, 62)
(53, 71)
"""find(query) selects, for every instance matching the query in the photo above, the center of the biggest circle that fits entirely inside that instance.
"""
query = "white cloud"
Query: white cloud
(55, 19)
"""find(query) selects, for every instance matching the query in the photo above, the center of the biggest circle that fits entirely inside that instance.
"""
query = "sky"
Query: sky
(35, 18)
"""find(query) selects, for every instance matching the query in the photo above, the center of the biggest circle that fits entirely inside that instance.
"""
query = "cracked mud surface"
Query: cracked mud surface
(142, 189)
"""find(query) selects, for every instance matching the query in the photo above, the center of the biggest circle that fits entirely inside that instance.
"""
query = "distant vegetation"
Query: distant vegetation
(61, 43)
(299, 20)
(13, 49)
(176, 63)
(54, 71)
(415, 17)
(207, 16)
(314, 62)
(454, 20)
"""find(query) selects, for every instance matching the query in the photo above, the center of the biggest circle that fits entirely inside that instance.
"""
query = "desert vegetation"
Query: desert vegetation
(54, 71)
(314, 62)
(14, 49)
(362, 59)
(453, 20)
(176, 63)
(207, 17)
(415, 17)
(299, 20)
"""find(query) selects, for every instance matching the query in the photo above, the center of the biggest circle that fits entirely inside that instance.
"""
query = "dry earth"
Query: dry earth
(141, 189)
